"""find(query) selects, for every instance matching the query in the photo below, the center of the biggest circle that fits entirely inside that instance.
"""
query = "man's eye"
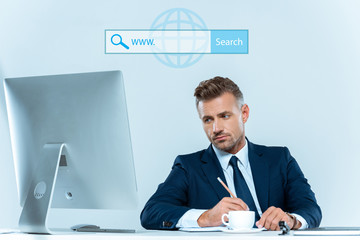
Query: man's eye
(226, 116)
(207, 120)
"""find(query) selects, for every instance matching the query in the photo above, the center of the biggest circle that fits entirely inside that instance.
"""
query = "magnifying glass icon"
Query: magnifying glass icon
(119, 38)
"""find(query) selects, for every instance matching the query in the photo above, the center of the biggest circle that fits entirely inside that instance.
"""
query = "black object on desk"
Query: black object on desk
(284, 228)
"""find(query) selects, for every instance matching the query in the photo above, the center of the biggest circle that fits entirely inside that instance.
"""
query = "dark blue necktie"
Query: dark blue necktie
(242, 190)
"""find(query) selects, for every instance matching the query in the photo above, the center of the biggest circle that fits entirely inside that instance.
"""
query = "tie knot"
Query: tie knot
(233, 161)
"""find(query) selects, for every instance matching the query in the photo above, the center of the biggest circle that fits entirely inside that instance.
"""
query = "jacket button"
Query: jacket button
(167, 224)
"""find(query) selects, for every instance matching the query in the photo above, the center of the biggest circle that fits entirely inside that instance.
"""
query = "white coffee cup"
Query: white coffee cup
(239, 220)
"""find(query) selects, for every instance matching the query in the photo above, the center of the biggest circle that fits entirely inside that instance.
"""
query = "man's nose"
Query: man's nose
(217, 126)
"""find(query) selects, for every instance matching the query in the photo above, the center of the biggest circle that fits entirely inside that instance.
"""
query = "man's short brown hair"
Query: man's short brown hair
(215, 87)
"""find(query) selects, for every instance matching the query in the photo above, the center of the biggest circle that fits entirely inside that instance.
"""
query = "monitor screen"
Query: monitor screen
(86, 114)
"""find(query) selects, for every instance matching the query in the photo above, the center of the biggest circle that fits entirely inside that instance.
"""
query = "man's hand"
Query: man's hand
(212, 217)
(271, 218)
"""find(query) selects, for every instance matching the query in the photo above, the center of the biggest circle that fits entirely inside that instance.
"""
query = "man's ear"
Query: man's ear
(245, 111)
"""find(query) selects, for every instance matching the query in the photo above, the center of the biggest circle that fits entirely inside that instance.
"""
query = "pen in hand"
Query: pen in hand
(227, 189)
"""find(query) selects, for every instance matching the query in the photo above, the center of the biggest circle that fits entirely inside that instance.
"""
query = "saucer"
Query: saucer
(251, 230)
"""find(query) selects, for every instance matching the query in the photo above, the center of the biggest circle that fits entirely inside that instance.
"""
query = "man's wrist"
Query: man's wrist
(189, 219)
(296, 223)
(202, 220)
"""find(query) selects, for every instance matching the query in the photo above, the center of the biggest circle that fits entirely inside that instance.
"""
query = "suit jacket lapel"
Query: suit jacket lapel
(212, 169)
(260, 173)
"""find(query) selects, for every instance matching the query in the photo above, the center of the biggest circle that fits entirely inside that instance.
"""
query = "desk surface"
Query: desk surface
(173, 235)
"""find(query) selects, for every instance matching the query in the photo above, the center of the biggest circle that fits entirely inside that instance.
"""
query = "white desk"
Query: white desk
(165, 235)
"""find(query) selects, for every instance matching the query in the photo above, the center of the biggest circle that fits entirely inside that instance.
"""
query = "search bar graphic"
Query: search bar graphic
(176, 41)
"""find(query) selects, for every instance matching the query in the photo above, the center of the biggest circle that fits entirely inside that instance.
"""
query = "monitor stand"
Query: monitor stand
(38, 201)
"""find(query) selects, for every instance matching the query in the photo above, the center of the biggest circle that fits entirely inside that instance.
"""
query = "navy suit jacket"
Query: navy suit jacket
(192, 183)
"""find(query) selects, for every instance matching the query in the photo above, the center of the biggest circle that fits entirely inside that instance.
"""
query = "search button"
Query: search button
(229, 41)
(118, 40)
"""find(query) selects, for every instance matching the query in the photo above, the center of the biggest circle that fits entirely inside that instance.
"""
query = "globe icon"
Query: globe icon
(193, 41)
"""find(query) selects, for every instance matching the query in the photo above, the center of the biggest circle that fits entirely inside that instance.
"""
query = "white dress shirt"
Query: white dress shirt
(189, 219)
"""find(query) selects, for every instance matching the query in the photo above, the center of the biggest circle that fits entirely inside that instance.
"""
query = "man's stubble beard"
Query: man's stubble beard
(231, 145)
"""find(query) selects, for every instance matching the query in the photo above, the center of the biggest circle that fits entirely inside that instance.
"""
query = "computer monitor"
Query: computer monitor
(71, 144)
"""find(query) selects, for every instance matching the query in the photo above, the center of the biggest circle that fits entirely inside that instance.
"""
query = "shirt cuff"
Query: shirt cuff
(304, 224)
(189, 219)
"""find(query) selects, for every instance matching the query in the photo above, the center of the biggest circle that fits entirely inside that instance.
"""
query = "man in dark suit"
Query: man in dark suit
(266, 180)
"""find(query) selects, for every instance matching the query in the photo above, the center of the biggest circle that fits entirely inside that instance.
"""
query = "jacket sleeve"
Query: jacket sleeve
(300, 199)
(168, 204)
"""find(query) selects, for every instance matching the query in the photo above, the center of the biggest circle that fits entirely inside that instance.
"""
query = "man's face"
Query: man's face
(223, 122)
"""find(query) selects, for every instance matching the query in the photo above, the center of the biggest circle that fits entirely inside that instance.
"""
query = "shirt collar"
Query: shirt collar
(224, 157)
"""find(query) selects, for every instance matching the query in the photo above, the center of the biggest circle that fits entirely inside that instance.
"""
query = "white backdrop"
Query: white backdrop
(300, 79)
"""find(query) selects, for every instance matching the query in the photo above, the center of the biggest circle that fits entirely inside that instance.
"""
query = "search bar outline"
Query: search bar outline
(174, 41)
